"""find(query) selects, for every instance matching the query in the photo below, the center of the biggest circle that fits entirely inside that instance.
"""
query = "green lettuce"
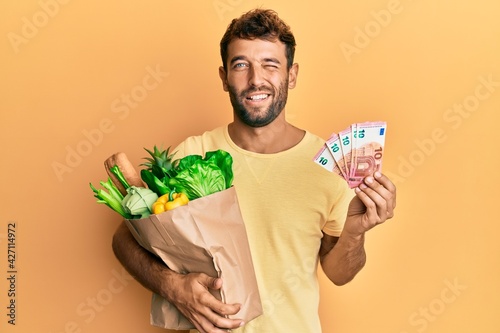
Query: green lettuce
(198, 177)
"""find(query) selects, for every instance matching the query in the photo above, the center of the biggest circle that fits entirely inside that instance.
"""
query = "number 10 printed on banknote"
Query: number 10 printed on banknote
(355, 152)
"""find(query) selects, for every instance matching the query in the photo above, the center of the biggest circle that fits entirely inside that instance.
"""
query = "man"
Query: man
(296, 213)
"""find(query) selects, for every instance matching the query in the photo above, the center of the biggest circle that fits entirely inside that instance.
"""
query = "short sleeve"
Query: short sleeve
(338, 214)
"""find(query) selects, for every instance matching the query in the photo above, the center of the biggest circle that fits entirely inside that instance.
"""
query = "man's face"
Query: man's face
(257, 80)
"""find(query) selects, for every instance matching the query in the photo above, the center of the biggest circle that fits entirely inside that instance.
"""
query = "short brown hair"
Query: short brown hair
(259, 23)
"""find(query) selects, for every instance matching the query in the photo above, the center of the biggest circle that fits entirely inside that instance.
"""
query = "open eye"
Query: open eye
(240, 65)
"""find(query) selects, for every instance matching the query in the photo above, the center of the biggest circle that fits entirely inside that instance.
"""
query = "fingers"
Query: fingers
(212, 323)
(378, 194)
(204, 325)
(213, 283)
(387, 184)
(212, 313)
(210, 301)
(219, 307)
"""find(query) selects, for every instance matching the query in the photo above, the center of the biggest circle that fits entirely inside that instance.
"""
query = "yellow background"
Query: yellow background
(67, 67)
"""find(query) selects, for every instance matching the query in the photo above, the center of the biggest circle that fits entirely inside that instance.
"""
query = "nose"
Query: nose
(256, 76)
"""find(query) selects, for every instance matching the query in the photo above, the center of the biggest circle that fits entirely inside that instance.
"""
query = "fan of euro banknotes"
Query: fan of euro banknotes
(355, 152)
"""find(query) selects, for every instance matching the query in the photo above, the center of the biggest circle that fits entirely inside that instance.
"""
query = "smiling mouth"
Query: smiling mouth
(259, 97)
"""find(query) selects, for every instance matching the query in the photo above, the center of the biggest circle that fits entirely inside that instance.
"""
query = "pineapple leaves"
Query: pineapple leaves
(160, 162)
(159, 169)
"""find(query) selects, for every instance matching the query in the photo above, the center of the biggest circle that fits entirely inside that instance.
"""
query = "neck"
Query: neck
(273, 138)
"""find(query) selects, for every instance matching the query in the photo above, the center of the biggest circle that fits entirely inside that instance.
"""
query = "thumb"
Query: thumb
(356, 206)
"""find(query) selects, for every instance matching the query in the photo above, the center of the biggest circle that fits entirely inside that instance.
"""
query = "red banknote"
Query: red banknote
(355, 152)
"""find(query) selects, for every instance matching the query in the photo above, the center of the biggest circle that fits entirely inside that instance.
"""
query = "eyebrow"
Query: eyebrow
(275, 60)
(237, 58)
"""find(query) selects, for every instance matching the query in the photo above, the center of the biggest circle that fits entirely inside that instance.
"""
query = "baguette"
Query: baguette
(127, 169)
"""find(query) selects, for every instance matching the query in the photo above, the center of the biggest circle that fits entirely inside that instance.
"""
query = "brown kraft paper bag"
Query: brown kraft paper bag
(205, 236)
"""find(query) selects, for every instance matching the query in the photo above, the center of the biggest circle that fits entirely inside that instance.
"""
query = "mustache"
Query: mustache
(257, 90)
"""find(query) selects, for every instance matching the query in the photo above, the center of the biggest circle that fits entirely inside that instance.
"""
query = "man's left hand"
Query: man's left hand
(373, 204)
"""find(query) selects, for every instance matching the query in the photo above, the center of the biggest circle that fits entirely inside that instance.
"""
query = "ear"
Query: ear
(292, 76)
(223, 77)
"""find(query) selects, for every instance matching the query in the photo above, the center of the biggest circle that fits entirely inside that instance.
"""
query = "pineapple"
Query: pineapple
(160, 163)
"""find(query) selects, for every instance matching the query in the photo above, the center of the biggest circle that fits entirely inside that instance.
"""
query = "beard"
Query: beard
(255, 117)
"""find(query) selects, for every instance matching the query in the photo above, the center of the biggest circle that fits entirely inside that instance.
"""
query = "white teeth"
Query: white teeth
(257, 97)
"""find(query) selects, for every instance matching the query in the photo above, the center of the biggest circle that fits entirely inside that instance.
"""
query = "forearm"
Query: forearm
(145, 267)
(342, 262)
(189, 293)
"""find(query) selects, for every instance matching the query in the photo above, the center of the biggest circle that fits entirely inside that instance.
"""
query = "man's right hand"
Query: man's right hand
(190, 294)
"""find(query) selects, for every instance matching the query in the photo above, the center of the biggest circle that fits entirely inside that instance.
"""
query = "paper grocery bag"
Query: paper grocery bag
(205, 236)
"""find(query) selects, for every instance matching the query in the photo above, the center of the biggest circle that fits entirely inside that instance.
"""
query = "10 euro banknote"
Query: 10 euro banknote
(355, 152)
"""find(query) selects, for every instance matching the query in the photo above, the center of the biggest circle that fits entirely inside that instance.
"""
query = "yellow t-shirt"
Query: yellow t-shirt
(286, 201)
